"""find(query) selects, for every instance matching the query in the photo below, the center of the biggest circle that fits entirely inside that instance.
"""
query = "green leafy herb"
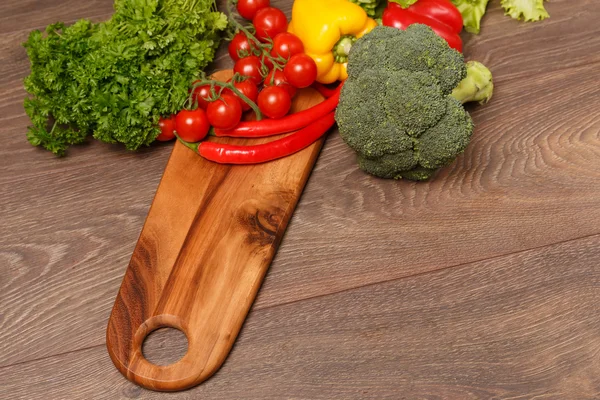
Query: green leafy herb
(115, 79)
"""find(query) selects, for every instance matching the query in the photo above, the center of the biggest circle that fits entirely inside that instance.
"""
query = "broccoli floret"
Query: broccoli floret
(439, 145)
(415, 101)
(396, 110)
(389, 165)
(415, 49)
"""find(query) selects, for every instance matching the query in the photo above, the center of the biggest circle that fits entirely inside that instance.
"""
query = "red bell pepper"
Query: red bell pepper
(440, 15)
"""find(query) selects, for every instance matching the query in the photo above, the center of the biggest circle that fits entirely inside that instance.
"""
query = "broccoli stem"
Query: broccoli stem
(342, 48)
(477, 86)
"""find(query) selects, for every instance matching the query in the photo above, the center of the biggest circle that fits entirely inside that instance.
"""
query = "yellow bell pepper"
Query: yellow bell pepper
(327, 28)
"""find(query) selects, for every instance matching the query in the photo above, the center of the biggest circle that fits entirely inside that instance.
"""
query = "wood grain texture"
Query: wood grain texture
(69, 226)
(25, 15)
(523, 326)
(209, 238)
(516, 50)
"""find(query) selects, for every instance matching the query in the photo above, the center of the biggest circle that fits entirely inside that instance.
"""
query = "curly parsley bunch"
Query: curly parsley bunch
(115, 79)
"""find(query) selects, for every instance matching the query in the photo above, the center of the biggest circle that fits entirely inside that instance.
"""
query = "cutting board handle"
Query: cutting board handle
(206, 292)
(179, 374)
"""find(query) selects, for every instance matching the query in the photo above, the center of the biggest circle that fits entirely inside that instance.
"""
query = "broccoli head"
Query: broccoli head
(396, 108)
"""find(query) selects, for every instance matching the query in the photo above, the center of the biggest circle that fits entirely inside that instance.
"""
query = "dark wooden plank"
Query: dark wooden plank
(517, 50)
(25, 15)
(529, 179)
(63, 258)
(522, 326)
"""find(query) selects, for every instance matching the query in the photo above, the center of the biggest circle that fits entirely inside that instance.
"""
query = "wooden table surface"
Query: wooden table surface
(481, 284)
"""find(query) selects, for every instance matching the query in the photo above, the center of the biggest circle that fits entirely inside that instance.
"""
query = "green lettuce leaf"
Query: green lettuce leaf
(472, 11)
(528, 10)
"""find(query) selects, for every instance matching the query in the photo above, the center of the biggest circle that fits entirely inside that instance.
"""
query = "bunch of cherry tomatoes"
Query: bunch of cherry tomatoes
(270, 65)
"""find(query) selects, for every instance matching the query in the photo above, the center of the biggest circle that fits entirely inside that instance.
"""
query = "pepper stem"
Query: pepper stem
(192, 146)
(342, 48)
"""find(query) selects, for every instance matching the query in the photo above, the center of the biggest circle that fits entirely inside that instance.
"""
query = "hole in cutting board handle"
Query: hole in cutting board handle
(162, 341)
(165, 346)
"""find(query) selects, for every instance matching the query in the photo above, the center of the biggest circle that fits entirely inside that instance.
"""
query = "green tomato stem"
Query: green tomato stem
(230, 86)
(264, 48)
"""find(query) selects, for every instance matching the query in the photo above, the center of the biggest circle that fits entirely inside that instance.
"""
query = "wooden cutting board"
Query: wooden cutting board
(208, 240)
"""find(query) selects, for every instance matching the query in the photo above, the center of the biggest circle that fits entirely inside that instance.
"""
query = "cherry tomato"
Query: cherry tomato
(274, 101)
(239, 44)
(248, 8)
(225, 113)
(251, 67)
(248, 89)
(202, 94)
(167, 128)
(192, 125)
(269, 22)
(277, 78)
(300, 71)
(286, 45)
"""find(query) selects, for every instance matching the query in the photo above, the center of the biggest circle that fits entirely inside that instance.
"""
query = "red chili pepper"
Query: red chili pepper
(289, 123)
(232, 154)
(440, 15)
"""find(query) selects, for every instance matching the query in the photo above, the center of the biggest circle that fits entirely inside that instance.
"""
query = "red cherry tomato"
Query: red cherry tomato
(224, 113)
(202, 94)
(274, 101)
(301, 70)
(248, 89)
(251, 67)
(192, 125)
(269, 22)
(277, 78)
(286, 45)
(167, 128)
(239, 44)
(248, 8)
